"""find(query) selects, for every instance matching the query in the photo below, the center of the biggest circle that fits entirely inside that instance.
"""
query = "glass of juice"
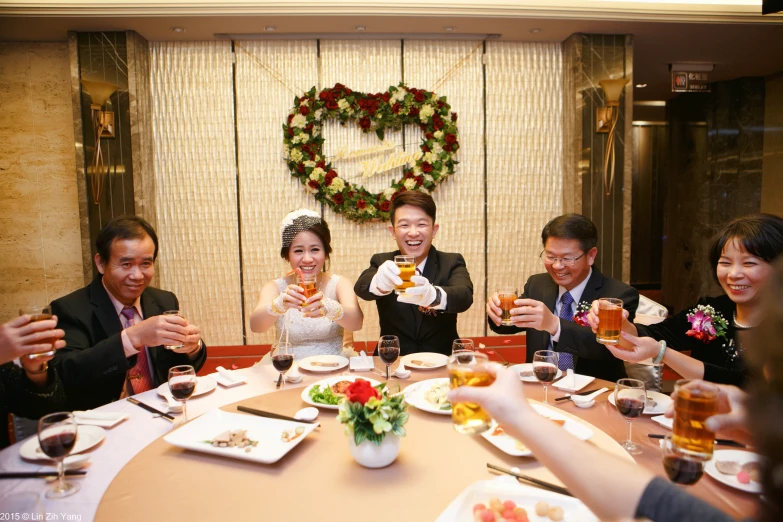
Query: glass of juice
(39, 313)
(407, 266)
(309, 283)
(469, 369)
(694, 402)
(610, 320)
(507, 298)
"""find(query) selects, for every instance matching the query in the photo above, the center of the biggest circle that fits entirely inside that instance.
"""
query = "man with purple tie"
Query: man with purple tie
(547, 307)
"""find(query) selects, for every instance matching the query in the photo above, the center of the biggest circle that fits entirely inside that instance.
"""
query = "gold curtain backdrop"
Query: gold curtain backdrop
(520, 88)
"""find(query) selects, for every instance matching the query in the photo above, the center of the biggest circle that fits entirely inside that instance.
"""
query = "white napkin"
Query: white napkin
(293, 375)
(573, 382)
(228, 378)
(361, 363)
(588, 398)
(174, 406)
(401, 372)
(663, 421)
(104, 419)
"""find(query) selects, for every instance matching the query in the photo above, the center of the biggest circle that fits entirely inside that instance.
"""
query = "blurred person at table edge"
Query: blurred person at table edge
(547, 308)
(741, 256)
(115, 330)
(616, 489)
(424, 317)
(32, 389)
(320, 324)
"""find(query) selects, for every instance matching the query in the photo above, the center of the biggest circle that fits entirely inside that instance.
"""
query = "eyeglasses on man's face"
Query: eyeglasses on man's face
(567, 261)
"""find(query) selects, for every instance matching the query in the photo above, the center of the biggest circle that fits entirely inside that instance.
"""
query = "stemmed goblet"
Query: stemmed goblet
(630, 397)
(545, 368)
(182, 384)
(282, 360)
(57, 433)
(389, 351)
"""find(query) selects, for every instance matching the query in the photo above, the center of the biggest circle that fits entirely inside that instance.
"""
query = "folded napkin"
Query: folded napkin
(104, 419)
(401, 372)
(173, 406)
(573, 382)
(227, 378)
(361, 363)
(663, 421)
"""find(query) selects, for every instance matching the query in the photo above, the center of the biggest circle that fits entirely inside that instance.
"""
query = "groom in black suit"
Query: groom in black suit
(115, 328)
(425, 316)
(547, 307)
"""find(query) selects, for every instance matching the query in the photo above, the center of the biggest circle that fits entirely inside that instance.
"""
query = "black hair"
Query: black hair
(572, 226)
(124, 227)
(760, 235)
(319, 229)
(414, 198)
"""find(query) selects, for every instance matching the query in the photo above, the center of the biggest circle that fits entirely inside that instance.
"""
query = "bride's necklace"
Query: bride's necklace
(738, 324)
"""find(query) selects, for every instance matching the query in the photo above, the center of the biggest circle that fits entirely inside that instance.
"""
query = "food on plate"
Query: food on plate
(542, 508)
(743, 477)
(289, 435)
(498, 511)
(527, 373)
(425, 364)
(339, 387)
(325, 364)
(753, 469)
(727, 467)
(436, 396)
(651, 403)
(233, 439)
(323, 395)
(555, 513)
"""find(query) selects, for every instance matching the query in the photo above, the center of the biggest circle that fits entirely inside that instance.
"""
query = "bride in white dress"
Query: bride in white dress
(315, 326)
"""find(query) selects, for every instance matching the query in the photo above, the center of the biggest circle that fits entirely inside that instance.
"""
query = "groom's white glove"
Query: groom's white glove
(423, 294)
(385, 279)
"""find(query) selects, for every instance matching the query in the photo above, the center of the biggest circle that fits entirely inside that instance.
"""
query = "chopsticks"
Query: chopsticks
(151, 409)
(722, 442)
(38, 474)
(588, 392)
(270, 415)
(540, 483)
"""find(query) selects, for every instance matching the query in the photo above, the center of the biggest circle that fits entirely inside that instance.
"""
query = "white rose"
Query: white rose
(437, 149)
(398, 96)
(304, 137)
(313, 176)
(286, 150)
(343, 104)
(318, 114)
(295, 155)
(426, 112)
(299, 121)
(318, 171)
(438, 135)
(429, 179)
(388, 193)
(430, 157)
(337, 185)
(410, 183)
(309, 163)
(417, 170)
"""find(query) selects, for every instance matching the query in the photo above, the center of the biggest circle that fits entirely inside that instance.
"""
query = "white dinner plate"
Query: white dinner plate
(425, 360)
(528, 367)
(739, 456)
(87, 437)
(414, 395)
(328, 382)
(196, 434)
(507, 488)
(513, 447)
(308, 363)
(662, 402)
(203, 385)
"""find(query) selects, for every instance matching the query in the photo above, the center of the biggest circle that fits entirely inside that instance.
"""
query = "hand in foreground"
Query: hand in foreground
(493, 309)
(592, 317)
(159, 330)
(423, 294)
(314, 307)
(534, 314)
(35, 366)
(292, 297)
(19, 336)
(731, 419)
(386, 278)
(504, 399)
(634, 349)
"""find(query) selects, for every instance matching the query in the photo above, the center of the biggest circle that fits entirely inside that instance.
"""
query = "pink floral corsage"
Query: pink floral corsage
(706, 324)
(582, 309)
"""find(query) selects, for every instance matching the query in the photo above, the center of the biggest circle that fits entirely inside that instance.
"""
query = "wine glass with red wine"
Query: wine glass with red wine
(463, 349)
(680, 467)
(282, 360)
(388, 351)
(630, 397)
(182, 384)
(57, 434)
(545, 368)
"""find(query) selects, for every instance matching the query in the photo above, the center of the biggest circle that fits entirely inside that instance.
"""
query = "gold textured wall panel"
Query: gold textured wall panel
(195, 185)
(524, 153)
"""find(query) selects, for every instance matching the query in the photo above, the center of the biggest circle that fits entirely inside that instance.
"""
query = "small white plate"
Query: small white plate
(742, 457)
(528, 367)
(268, 432)
(662, 402)
(663, 421)
(510, 445)
(414, 395)
(307, 363)
(203, 385)
(328, 382)
(578, 382)
(461, 508)
(425, 360)
(87, 437)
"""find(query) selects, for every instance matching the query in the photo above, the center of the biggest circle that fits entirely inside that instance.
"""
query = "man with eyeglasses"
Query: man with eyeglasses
(546, 309)
(424, 317)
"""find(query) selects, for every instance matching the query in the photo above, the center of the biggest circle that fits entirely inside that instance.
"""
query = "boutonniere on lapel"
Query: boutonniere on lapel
(707, 324)
(428, 311)
(582, 309)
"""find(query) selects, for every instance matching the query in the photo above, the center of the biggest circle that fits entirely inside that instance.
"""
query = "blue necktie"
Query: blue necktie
(566, 360)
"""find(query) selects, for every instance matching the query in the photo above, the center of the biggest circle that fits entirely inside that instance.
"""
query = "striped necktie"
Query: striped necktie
(138, 376)
(565, 359)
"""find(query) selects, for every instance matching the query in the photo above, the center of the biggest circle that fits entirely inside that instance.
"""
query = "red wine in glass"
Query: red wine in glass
(630, 407)
(630, 398)
(57, 434)
(282, 363)
(182, 384)
(545, 372)
(182, 390)
(389, 354)
(59, 444)
(682, 470)
(388, 350)
(464, 356)
(545, 368)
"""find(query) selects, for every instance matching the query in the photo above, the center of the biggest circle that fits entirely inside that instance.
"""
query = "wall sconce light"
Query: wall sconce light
(103, 126)
(606, 122)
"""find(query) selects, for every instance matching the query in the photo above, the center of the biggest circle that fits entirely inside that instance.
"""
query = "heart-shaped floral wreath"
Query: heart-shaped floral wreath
(392, 109)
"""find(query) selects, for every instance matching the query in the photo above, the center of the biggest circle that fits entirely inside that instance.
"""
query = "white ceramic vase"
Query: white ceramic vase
(369, 455)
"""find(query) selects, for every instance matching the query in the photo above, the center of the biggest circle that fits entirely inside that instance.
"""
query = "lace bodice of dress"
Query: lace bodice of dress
(311, 336)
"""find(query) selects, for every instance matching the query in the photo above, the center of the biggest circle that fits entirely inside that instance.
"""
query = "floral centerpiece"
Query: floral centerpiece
(707, 324)
(582, 311)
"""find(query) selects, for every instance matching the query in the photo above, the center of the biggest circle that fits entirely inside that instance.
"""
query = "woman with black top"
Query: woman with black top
(741, 256)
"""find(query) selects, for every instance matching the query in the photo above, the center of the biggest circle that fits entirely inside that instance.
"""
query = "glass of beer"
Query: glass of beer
(464, 370)
(309, 284)
(694, 402)
(173, 346)
(610, 320)
(507, 298)
(39, 313)
(407, 266)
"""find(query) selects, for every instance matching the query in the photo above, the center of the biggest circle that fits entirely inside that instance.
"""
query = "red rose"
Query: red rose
(324, 95)
(361, 204)
(301, 168)
(419, 96)
(332, 105)
(339, 87)
(312, 155)
(386, 97)
(350, 193)
(413, 112)
(348, 91)
(309, 127)
(331, 174)
(408, 174)
(396, 108)
(447, 147)
(290, 132)
(413, 90)
(425, 148)
(304, 110)
(313, 184)
(327, 181)
(426, 167)
(360, 391)
(451, 138)
(290, 117)
(429, 136)
(419, 180)
(437, 123)
(338, 199)
(364, 123)
(440, 104)
(385, 206)
(454, 116)
(320, 164)
(306, 147)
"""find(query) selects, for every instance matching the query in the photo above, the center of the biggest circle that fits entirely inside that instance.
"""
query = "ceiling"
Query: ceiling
(746, 48)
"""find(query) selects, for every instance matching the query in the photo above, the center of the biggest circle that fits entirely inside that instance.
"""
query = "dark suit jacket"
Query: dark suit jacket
(593, 358)
(93, 364)
(419, 332)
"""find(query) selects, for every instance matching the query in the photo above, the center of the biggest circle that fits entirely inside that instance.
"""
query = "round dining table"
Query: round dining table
(133, 474)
